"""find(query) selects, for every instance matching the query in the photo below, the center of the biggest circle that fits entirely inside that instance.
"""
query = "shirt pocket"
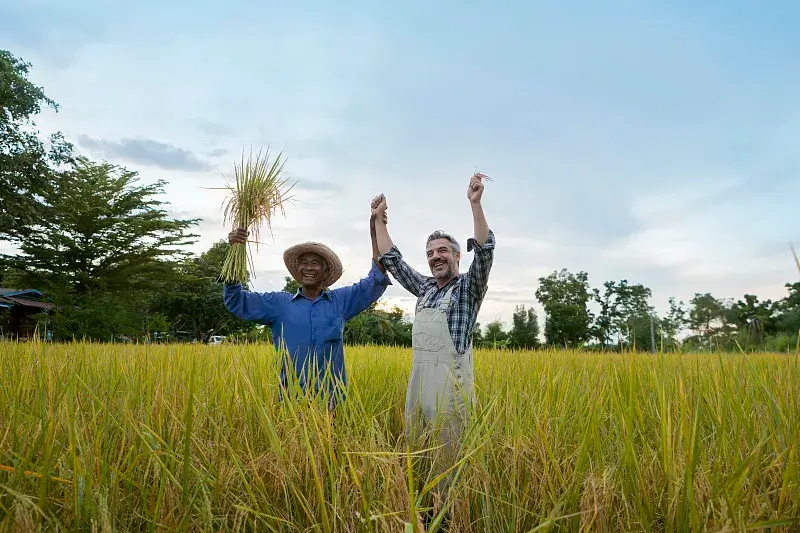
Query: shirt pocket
(334, 329)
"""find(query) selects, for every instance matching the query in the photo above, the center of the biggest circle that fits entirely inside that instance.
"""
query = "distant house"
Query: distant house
(17, 307)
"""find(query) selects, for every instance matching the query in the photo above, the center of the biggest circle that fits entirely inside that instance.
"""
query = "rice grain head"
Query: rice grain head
(256, 195)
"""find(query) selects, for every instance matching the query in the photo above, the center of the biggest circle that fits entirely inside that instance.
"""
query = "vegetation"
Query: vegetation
(26, 162)
(102, 248)
(193, 438)
(257, 194)
(624, 317)
(101, 437)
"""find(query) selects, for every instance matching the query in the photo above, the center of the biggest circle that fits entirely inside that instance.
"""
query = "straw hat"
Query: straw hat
(291, 257)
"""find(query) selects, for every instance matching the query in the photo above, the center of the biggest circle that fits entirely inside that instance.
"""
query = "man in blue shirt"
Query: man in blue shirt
(308, 326)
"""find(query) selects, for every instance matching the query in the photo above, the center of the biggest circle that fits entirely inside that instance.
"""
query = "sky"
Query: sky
(655, 142)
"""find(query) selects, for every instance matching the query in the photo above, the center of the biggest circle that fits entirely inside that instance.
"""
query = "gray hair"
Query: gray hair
(439, 234)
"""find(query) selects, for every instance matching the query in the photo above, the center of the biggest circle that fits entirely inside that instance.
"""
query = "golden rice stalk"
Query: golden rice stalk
(796, 258)
(257, 194)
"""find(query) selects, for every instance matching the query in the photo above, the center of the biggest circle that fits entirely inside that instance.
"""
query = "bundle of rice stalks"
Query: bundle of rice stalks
(256, 195)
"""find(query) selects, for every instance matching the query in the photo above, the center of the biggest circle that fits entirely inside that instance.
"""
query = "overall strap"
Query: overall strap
(444, 304)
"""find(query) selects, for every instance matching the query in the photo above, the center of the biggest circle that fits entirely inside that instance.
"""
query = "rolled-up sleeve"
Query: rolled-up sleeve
(364, 293)
(261, 307)
(481, 266)
(406, 276)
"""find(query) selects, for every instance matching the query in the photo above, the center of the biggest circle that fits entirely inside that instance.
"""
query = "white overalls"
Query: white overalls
(440, 385)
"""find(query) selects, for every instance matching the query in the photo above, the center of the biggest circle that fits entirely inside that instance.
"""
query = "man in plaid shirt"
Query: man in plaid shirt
(441, 383)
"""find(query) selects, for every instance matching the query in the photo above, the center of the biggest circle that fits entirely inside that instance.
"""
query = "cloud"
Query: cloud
(214, 129)
(203, 218)
(269, 280)
(630, 149)
(312, 185)
(147, 152)
(217, 152)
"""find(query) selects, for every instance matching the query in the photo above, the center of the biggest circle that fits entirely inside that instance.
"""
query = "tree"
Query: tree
(604, 325)
(192, 302)
(788, 319)
(564, 296)
(673, 323)
(708, 317)
(378, 326)
(792, 300)
(633, 309)
(754, 318)
(291, 285)
(477, 336)
(494, 336)
(209, 263)
(100, 231)
(26, 163)
(101, 244)
(524, 332)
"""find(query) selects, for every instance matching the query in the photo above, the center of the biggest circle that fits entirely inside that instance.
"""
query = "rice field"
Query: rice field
(194, 438)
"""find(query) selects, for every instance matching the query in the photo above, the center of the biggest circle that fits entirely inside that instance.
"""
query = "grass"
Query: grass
(193, 438)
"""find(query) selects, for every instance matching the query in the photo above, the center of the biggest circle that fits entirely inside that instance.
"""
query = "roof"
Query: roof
(6, 291)
(22, 298)
(27, 303)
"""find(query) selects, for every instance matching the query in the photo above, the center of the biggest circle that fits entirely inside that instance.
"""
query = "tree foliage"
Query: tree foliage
(673, 324)
(26, 162)
(622, 305)
(290, 284)
(192, 300)
(524, 332)
(103, 248)
(564, 296)
(100, 231)
(495, 336)
(379, 326)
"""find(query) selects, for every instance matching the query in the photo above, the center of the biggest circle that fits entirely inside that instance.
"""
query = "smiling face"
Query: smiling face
(442, 259)
(313, 270)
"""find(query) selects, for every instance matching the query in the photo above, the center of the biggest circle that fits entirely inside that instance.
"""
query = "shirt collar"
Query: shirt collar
(299, 293)
(432, 281)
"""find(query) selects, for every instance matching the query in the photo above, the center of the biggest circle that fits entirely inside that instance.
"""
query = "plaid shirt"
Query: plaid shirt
(470, 289)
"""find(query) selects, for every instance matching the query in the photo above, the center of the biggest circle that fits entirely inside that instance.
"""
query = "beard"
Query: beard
(442, 270)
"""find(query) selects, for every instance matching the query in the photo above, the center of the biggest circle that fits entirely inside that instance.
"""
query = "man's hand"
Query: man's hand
(475, 188)
(238, 235)
(475, 193)
(378, 207)
(378, 212)
(373, 217)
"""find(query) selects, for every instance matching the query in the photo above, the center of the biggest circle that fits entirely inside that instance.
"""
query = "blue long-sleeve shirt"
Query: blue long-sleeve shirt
(310, 333)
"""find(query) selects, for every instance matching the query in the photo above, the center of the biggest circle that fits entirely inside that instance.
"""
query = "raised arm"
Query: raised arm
(376, 255)
(258, 307)
(390, 256)
(359, 296)
(475, 193)
(380, 219)
(482, 242)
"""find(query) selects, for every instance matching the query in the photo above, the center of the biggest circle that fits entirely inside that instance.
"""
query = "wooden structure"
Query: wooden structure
(17, 307)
